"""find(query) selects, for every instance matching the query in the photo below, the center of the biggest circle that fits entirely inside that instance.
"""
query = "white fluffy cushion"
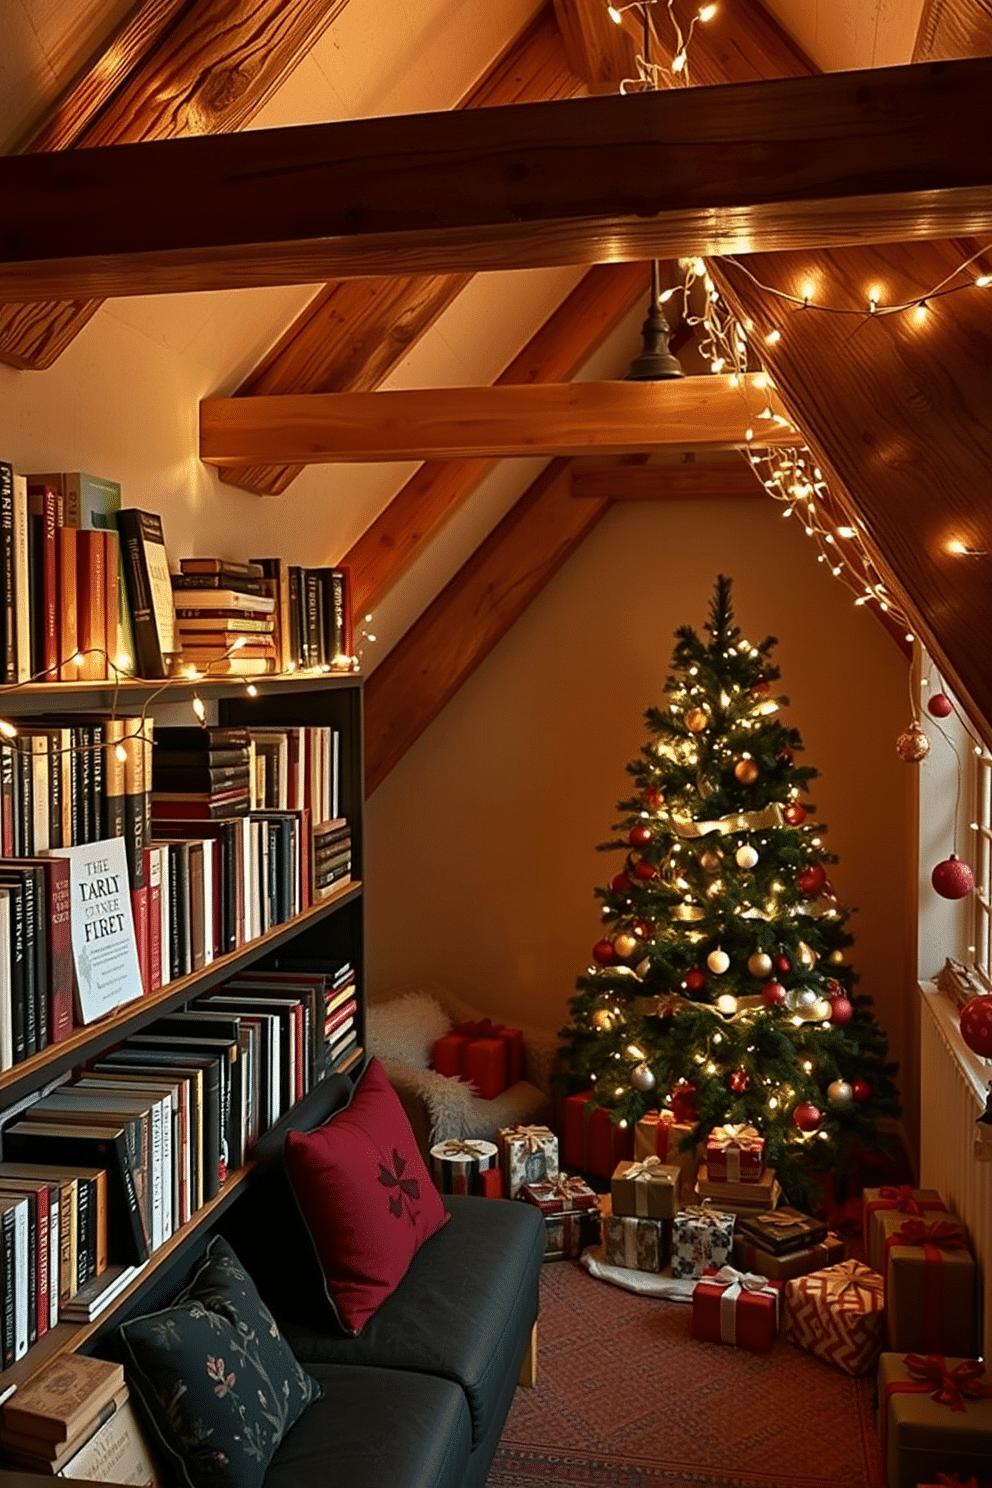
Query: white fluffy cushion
(406, 1028)
(455, 1110)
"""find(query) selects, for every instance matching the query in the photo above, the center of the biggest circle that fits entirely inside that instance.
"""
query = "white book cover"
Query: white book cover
(116, 1453)
(104, 950)
(20, 1269)
(54, 1241)
(210, 850)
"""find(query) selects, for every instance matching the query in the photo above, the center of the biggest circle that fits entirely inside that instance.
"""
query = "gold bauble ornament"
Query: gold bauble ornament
(625, 944)
(602, 1019)
(710, 861)
(746, 771)
(912, 744)
(759, 965)
(696, 720)
(836, 958)
(804, 955)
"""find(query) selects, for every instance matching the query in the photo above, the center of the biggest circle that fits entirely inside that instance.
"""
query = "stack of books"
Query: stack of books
(225, 617)
(331, 856)
(74, 1419)
(201, 772)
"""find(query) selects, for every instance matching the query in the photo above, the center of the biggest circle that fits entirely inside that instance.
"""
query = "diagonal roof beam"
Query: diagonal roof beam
(173, 67)
(355, 331)
(954, 28)
(876, 156)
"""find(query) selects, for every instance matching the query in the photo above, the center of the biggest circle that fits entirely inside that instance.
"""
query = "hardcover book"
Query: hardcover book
(104, 950)
(55, 1403)
(149, 589)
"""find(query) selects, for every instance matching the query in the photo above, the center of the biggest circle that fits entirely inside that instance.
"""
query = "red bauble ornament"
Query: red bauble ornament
(841, 1010)
(834, 988)
(940, 705)
(604, 953)
(643, 929)
(861, 1090)
(654, 797)
(639, 835)
(645, 870)
(976, 1025)
(772, 993)
(695, 979)
(811, 879)
(782, 962)
(738, 1082)
(794, 814)
(786, 754)
(684, 1104)
(746, 771)
(761, 688)
(620, 883)
(952, 879)
(806, 1118)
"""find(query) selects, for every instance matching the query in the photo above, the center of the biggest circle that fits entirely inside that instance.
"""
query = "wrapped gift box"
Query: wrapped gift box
(781, 1231)
(658, 1134)
(648, 1189)
(702, 1238)
(592, 1142)
(569, 1234)
(736, 1307)
(838, 1315)
(930, 1287)
(638, 1244)
(528, 1154)
(935, 1416)
(460, 1165)
(560, 1194)
(740, 1198)
(484, 1054)
(921, 1202)
(751, 1257)
(735, 1154)
(955, 1480)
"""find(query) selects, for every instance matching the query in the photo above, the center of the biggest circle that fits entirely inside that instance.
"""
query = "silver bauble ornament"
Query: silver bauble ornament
(802, 1000)
(642, 1078)
(839, 1093)
(718, 962)
(746, 856)
(759, 965)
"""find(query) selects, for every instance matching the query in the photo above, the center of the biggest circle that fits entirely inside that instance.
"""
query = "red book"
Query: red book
(139, 910)
(60, 971)
(68, 605)
(153, 882)
(45, 509)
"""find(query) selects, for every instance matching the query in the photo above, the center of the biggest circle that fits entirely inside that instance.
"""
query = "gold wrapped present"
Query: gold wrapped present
(648, 1189)
(930, 1287)
(894, 1200)
(935, 1416)
(658, 1134)
(751, 1257)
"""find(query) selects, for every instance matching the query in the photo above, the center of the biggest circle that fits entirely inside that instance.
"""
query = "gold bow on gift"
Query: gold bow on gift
(780, 1221)
(533, 1137)
(743, 1136)
(698, 1212)
(651, 1168)
(456, 1148)
(852, 1276)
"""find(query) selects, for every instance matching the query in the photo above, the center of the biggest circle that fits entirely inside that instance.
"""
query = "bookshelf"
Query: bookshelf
(332, 928)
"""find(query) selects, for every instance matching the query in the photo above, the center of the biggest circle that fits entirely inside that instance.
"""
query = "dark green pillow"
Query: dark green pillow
(218, 1381)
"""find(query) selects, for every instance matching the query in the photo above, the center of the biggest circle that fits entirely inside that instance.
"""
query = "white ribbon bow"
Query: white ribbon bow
(735, 1282)
(650, 1167)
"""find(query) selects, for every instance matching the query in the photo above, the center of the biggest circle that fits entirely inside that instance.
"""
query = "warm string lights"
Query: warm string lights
(651, 75)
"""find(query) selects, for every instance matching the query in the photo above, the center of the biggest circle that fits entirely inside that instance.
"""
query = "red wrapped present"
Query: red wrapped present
(487, 1055)
(954, 1480)
(901, 1200)
(590, 1141)
(838, 1315)
(491, 1183)
(558, 1195)
(929, 1288)
(735, 1154)
(738, 1307)
(935, 1416)
(658, 1134)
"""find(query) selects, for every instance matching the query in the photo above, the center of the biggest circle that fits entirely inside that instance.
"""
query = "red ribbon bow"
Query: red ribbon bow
(951, 1387)
(951, 1480)
(901, 1198)
(943, 1233)
(484, 1028)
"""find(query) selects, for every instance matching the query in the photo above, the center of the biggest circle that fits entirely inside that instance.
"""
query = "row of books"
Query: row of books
(99, 1173)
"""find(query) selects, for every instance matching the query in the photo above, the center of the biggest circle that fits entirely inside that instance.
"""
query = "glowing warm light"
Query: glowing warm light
(706, 13)
(614, 15)
(773, 337)
(874, 295)
(678, 62)
(983, 280)
(199, 709)
(845, 532)
(120, 754)
(251, 690)
(920, 313)
(7, 729)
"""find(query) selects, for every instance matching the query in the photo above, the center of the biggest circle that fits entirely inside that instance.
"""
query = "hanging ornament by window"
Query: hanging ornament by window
(940, 705)
(952, 879)
(912, 744)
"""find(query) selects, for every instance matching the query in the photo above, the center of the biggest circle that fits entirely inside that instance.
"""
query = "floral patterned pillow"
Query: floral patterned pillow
(218, 1381)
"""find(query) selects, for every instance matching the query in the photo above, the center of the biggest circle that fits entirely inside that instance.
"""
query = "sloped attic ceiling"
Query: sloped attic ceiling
(901, 422)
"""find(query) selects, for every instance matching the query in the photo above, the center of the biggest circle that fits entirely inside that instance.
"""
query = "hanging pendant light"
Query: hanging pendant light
(654, 363)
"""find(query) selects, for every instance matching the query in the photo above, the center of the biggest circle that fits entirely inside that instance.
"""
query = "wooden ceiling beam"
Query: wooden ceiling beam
(891, 154)
(172, 68)
(691, 481)
(953, 28)
(609, 418)
(598, 51)
(566, 341)
(354, 332)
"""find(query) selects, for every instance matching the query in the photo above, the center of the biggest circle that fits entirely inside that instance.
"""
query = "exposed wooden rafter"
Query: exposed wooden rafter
(683, 482)
(954, 28)
(893, 154)
(570, 418)
(355, 331)
(173, 67)
(597, 50)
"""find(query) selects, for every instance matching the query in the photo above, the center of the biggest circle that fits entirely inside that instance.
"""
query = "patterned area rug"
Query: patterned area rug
(626, 1399)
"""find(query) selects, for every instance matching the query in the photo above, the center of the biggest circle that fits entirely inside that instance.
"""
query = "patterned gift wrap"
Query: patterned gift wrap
(935, 1417)
(646, 1190)
(559, 1195)
(527, 1154)
(701, 1238)
(745, 1199)
(918, 1202)
(569, 1234)
(781, 1231)
(458, 1165)
(751, 1257)
(484, 1054)
(637, 1244)
(735, 1154)
(592, 1142)
(659, 1135)
(838, 1315)
(930, 1288)
(736, 1307)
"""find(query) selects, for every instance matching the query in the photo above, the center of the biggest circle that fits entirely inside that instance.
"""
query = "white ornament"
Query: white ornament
(718, 961)
(746, 856)
(840, 1093)
(821, 1010)
(726, 1003)
(642, 1078)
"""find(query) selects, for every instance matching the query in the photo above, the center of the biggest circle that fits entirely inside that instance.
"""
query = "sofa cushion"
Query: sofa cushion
(373, 1428)
(215, 1377)
(365, 1195)
(464, 1312)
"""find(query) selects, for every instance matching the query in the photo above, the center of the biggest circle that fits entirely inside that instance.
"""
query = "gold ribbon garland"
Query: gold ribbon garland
(740, 821)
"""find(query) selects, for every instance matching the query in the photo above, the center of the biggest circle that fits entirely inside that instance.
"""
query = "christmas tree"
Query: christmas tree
(721, 989)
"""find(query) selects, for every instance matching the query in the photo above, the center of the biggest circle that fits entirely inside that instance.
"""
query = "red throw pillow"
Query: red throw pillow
(365, 1195)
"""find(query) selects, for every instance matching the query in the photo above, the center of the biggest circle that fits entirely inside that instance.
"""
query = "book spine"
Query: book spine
(112, 811)
(55, 778)
(21, 1290)
(84, 787)
(18, 1013)
(153, 875)
(139, 580)
(45, 508)
(175, 930)
(141, 913)
(31, 927)
(134, 799)
(9, 1296)
(91, 581)
(97, 754)
(60, 973)
(7, 602)
(68, 602)
(22, 582)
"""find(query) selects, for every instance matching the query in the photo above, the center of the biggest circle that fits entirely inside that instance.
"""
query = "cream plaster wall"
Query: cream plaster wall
(481, 843)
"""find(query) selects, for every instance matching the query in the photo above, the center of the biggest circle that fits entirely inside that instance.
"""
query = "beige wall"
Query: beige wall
(481, 843)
